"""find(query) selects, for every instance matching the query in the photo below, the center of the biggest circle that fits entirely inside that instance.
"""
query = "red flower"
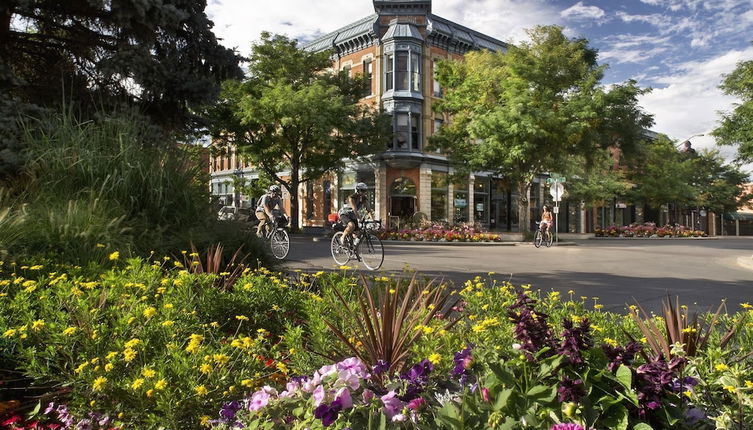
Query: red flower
(11, 420)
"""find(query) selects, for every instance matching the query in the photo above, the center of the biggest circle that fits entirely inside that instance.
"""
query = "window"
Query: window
(401, 71)
(438, 196)
(437, 87)
(407, 131)
(367, 73)
(389, 69)
(346, 69)
(405, 68)
(415, 69)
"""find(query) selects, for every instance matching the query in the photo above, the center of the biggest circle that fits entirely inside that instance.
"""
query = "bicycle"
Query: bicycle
(544, 237)
(367, 249)
(277, 236)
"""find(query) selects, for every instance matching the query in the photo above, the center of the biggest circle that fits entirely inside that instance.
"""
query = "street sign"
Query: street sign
(555, 179)
(556, 190)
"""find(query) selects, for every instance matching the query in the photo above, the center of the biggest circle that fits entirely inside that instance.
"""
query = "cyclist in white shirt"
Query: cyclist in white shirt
(266, 205)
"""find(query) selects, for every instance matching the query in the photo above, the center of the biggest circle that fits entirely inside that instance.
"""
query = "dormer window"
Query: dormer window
(403, 71)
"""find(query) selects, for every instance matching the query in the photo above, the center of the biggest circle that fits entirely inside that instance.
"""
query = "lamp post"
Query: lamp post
(683, 142)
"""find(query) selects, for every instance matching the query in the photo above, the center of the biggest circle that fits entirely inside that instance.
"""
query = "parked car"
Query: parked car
(232, 213)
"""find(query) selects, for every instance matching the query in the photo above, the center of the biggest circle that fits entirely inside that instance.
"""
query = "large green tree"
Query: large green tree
(294, 118)
(159, 55)
(736, 127)
(718, 185)
(528, 110)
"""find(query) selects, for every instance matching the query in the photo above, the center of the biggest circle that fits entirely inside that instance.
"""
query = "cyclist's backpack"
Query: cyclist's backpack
(334, 220)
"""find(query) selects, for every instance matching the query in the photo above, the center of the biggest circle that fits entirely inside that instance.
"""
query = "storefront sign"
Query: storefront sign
(460, 203)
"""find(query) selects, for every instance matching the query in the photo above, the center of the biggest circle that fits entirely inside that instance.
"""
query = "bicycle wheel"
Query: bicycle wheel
(371, 251)
(280, 244)
(548, 238)
(537, 239)
(339, 252)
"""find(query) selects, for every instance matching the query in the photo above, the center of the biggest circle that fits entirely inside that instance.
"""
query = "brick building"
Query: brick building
(397, 48)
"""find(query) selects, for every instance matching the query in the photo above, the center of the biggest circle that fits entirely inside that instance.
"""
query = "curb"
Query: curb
(430, 243)
(655, 238)
(745, 262)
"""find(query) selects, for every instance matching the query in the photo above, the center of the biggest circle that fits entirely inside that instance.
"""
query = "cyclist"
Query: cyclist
(356, 203)
(546, 219)
(266, 204)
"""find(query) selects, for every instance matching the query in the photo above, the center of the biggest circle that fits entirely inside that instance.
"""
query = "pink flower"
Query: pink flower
(259, 400)
(416, 403)
(346, 400)
(485, 394)
(367, 395)
(318, 395)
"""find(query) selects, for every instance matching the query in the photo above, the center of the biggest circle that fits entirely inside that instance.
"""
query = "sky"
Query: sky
(679, 48)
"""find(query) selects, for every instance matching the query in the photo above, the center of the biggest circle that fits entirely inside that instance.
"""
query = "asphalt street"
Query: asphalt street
(618, 272)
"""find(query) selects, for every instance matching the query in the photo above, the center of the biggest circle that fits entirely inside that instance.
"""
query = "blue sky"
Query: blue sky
(680, 48)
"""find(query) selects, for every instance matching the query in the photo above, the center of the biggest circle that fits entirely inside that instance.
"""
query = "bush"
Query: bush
(155, 348)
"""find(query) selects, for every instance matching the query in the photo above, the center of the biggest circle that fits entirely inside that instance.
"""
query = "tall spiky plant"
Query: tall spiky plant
(387, 316)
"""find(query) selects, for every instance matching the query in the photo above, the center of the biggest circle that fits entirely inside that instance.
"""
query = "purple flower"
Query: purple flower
(367, 395)
(567, 426)
(318, 395)
(419, 373)
(327, 413)
(571, 390)
(229, 410)
(575, 340)
(392, 405)
(463, 361)
(653, 380)
(344, 397)
(416, 404)
(619, 355)
(354, 365)
(531, 328)
(380, 367)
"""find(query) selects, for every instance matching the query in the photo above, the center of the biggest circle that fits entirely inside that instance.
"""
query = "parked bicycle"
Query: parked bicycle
(544, 237)
(277, 236)
(366, 247)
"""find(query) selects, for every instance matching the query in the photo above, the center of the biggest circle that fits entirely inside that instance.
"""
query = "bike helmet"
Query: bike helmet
(275, 189)
(361, 186)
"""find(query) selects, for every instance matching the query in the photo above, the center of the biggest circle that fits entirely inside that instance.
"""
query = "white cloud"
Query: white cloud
(579, 11)
(654, 19)
(689, 100)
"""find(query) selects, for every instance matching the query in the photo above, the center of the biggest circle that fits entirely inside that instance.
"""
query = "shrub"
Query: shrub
(162, 348)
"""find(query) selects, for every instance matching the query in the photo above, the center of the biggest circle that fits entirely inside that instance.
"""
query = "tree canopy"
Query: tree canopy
(528, 110)
(294, 118)
(158, 55)
(736, 127)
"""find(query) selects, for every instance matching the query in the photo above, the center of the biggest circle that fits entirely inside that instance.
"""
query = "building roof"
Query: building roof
(440, 31)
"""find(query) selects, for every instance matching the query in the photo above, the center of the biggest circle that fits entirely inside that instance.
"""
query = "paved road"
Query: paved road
(701, 272)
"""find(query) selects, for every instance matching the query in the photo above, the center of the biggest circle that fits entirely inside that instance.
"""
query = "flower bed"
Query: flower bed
(648, 229)
(440, 233)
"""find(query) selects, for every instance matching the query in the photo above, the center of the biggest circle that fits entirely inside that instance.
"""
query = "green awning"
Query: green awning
(739, 216)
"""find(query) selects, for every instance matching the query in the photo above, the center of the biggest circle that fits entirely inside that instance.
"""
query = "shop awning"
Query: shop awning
(739, 216)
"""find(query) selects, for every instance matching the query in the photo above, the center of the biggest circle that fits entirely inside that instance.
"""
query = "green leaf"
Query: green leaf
(616, 418)
(625, 377)
(642, 426)
(502, 399)
(542, 393)
(550, 364)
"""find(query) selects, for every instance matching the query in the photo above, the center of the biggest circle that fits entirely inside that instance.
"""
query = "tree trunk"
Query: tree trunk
(524, 212)
(295, 181)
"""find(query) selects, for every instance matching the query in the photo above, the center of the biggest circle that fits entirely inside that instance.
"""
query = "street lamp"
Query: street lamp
(688, 140)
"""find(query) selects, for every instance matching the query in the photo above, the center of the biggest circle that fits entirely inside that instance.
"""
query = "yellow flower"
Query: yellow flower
(37, 325)
(149, 312)
(10, 333)
(129, 355)
(148, 373)
(149, 392)
(109, 367)
(221, 359)
(201, 390)
(194, 343)
(205, 368)
(435, 358)
(112, 354)
(69, 331)
(598, 306)
(247, 383)
(610, 341)
(168, 323)
(730, 388)
(99, 383)
(137, 384)
(133, 342)
(748, 384)
(205, 421)
(241, 318)
(100, 245)
(114, 256)
(81, 367)
(721, 367)
(160, 385)
(282, 367)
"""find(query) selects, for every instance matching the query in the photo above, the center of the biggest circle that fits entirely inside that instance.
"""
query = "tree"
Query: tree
(159, 55)
(293, 115)
(598, 182)
(528, 110)
(737, 127)
(718, 185)
(662, 175)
